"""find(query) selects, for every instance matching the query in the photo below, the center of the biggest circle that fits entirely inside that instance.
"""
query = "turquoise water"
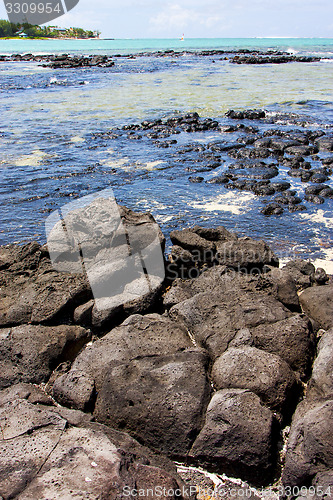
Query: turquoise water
(48, 155)
(301, 45)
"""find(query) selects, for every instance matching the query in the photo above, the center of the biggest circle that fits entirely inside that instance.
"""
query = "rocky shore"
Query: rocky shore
(270, 154)
(213, 366)
(241, 56)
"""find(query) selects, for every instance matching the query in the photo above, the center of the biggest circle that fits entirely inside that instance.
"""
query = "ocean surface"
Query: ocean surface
(50, 152)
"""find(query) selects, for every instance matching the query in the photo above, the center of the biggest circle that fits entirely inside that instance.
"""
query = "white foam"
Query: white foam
(76, 138)
(151, 165)
(33, 159)
(235, 203)
(320, 218)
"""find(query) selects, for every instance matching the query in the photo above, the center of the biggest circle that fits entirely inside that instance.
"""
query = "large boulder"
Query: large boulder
(214, 279)
(291, 339)
(265, 374)
(197, 245)
(310, 446)
(139, 377)
(282, 286)
(29, 353)
(33, 291)
(215, 318)
(219, 245)
(301, 271)
(137, 337)
(317, 302)
(120, 251)
(321, 382)
(46, 455)
(101, 251)
(237, 437)
(156, 400)
(245, 253)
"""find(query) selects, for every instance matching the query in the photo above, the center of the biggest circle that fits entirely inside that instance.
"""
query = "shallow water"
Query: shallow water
(49, 155)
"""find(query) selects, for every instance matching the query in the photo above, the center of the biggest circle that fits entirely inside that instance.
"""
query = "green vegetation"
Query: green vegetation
(25, 30)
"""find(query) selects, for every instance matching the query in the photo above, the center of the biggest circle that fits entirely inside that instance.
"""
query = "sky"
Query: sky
(201, 18)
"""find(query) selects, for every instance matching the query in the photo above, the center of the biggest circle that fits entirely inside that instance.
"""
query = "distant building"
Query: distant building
(22, 35)
(61, 31)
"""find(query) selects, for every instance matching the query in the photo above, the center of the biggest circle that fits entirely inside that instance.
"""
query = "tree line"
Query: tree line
(8, 29)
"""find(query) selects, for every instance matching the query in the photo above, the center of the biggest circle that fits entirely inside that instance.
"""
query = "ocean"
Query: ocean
(54, 146)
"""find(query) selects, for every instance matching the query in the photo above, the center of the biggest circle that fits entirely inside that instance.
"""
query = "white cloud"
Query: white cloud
(174, 16)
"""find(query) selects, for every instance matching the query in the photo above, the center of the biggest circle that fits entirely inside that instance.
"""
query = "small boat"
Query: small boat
(182, 38)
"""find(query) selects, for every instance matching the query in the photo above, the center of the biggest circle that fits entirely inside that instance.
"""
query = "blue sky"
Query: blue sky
(200, 18)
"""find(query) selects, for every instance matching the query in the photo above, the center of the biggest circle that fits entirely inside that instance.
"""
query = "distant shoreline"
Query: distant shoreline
(46, 38)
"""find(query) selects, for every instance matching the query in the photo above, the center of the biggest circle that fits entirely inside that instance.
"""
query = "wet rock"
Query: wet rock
(263, 190)
(196, 180)
(66, 61)
(249, 114)
(316, 199)
(220, 179)
(325, 144)
(263, 373)
(321, 382)
(315, 189)
(291, 339)
(272, 209)
(275, 59)
(319, 178)
(251, 153)
(237, 437)
(29, 353)
(301, 150)
(45, 454)
(310, 447)
(256, 170)
(263, 142)
(320, 276)
(280, 186)
(327, 193)
(327, 161)
(317, 303)
(223, 146)
(287, 198)
(281, 144)
(296, 208)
